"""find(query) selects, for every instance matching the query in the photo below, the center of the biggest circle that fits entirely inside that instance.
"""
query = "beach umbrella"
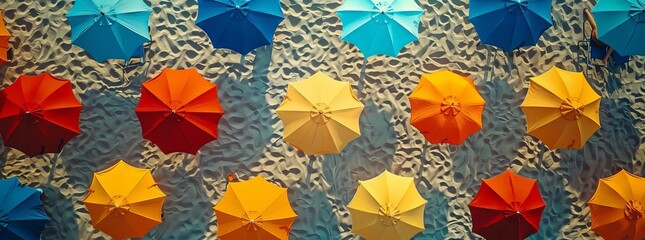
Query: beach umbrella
(320, 115)
(254, 209)
(4, 41)
(446, 107)
(380, 27)
(621, 25)
(240, 25)
(618, 207)
(179, 111)
(124, 201)
(561, 109)
(387, 207)
(39, 114)
(21, 212)
(109, 29)
(507, 206)
(510, 24)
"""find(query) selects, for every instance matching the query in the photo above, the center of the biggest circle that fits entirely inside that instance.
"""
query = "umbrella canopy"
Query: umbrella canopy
(254, 209)
(124, 201)
(380, 27)
(179, 111)
(621, 25)
(507, 206)
(4, 40)
(21, 212)
(109, 29)
(618, 207)
(240, 25)
(510, 24)
(561, 109)
(320, 115)
(387, 207)
(39, 114)
(446, 107)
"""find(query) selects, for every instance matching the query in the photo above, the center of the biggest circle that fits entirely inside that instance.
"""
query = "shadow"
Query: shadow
(503, 126)
(63, 216)
(365, 157)
(4, 153)
(438, 206)
(312, 200)
(187, 209)
(246, 128)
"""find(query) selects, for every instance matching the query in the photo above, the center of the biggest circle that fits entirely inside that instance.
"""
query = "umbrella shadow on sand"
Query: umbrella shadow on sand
(60, 209)
(246, 127)
(187, 206)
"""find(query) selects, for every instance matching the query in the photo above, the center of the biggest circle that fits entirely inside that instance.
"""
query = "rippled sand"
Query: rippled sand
(320, 187)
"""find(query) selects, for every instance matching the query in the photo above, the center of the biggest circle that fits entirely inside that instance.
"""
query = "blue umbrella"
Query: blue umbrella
(621, 25)
(380, 27)
(510, 24)
(21, 212)
(240, 25)
(109, 29)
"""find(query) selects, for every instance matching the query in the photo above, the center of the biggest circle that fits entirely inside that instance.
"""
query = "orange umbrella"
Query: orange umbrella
(4, 41)
(446, 107)
(617, 207)
(254, 209)
(179, 111)
(124, 201)
(39, 114)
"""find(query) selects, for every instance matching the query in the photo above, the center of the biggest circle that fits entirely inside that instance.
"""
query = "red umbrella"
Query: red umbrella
(507, 206)
(179, 111)
(39, 114)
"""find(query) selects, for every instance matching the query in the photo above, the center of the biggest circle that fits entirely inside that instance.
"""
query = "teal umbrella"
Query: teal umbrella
(621, 25)
(109, 29)
(380, 27)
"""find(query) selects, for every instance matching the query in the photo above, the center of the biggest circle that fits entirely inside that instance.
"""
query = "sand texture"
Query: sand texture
(250, 143)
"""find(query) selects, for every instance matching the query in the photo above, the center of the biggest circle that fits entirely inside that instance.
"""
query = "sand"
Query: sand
(250, 142)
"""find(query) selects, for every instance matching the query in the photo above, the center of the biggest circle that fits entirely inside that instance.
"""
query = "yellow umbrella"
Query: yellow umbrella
(561, 109)
(124, 201)
(617, 210)
(254, 209)
(387, 207)
(320, 115)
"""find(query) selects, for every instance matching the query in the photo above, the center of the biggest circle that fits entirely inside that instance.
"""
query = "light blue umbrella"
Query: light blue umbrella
(510, 24)
(21, 211)
(380, 27)
(240, 25)
(621, 25)
(109, 29)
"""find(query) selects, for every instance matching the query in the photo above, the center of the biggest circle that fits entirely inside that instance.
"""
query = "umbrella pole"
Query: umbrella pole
(490, 69)
(52, 171)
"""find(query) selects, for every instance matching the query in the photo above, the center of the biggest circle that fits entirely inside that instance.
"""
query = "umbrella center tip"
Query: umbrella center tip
(572, 109)
(516, 6)
(320, 113)
(634, 210)
(119, 205)
(450, 106)
(389, 215)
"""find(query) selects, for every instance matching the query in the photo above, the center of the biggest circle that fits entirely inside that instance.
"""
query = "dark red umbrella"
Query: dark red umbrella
(179, 111)
(507, 206)
(39, 114)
